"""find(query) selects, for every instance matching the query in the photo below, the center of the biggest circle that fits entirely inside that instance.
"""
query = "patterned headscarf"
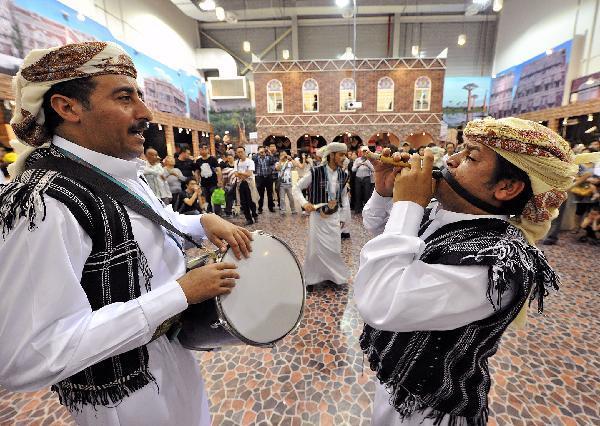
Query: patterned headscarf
(331, 148)
(43, 68)
(541, 153)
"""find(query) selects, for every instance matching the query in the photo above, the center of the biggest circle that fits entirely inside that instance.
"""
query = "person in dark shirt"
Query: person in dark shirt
(264, 165)
(185, 163)
(190, 201)
(208, 173)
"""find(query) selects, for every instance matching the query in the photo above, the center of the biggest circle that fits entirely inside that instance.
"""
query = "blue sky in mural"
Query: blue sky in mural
(518, 68)
(146, 66)
(456, 96)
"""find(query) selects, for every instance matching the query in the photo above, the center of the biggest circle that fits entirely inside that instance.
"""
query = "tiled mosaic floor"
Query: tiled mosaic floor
(545, 376)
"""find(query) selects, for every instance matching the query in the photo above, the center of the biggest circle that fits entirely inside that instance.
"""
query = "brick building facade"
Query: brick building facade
(407, 106)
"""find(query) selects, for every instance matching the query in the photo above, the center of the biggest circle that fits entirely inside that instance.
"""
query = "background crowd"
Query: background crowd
(231, 183)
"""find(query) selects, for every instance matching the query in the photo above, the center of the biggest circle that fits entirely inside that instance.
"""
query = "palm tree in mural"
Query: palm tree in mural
(469, 88)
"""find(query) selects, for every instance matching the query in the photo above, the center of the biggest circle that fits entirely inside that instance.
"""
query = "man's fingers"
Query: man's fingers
(235, 247)
(246, 237)
(428, 161)
(229, 283)
(241, 243)
(246, 233)
(225, 265)
(415, 162)
(229, 273)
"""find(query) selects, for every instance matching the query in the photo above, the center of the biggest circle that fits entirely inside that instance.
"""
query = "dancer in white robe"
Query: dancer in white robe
(326, 186)
(92, 328)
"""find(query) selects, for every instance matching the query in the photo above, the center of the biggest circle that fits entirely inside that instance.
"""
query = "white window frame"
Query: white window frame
(392, 91)
(275, 92)
(428, 91)
(343, 92)
(312, 93)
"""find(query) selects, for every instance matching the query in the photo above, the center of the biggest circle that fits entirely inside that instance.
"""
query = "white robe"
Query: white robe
(49, 331)
(323, 259)
(395, 291)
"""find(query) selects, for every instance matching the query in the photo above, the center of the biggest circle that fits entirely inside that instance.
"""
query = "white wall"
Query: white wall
(528, 28)
(156, 28)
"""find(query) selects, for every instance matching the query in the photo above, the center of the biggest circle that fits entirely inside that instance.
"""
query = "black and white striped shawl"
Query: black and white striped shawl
(444, 374)
(110, 273)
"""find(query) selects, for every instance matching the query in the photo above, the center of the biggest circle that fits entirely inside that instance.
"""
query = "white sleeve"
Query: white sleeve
(189, 223)
(396, 292)
(47, 327)
(376, 213)
(302, 184)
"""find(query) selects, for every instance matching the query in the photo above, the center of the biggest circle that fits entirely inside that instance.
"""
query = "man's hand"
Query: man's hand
(308, 207)
(220, 233)
(385, 173)
(208, 281)
(415, 184)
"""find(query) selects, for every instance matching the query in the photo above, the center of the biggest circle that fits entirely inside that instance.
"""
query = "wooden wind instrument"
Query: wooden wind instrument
(396, 162)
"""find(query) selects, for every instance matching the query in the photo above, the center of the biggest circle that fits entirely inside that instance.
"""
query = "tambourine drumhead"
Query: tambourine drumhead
(268, 299)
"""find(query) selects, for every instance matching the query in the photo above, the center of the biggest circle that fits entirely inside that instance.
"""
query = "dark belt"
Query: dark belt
(170, 327)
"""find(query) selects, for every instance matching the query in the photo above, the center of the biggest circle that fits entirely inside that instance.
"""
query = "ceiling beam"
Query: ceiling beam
(361, 20)
(226, 49)
(268, 49)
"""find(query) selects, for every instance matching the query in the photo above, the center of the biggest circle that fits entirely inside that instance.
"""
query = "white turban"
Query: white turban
(331, 148)
(41, 69)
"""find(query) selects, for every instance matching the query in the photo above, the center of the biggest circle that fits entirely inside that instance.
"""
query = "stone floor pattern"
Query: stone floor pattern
(547, 375)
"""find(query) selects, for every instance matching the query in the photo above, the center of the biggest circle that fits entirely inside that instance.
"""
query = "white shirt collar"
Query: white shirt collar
(116, 167)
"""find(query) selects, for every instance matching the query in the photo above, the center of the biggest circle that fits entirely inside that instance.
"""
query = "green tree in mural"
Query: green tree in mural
(229, 120)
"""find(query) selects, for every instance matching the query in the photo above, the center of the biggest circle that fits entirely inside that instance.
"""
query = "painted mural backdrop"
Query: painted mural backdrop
(34, 24)
(465, 98)
(535, 84)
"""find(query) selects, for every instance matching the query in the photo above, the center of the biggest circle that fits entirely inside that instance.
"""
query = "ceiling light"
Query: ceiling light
(415, 50)
(591, 129)
(246, 46)
(342, 3)
(285, 54)
(159, 126)
(377, 134)
(549, 52)
(220, 13)
(180, 130)
(590, 117)
(497, 6)
(462, 39)
(207, 5)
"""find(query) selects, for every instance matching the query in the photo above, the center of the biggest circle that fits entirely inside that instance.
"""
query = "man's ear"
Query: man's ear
(68, 109)
(507, 189)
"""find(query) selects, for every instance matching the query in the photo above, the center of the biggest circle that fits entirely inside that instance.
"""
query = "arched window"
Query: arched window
(385, 94)
(310, 95)
(347, 93)
(274, 96)
(422, 100)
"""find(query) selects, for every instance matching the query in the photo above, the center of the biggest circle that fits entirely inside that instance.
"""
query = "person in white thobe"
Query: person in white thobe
(323, 260)
(392, 287)
(48, 329)
(154, 174)
(50, 332)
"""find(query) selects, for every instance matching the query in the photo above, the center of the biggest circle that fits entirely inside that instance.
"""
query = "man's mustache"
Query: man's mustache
(140, 126)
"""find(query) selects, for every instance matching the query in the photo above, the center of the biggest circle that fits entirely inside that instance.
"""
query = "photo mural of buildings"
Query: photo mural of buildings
(34, 24)
(535, 84)
(465, 98)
